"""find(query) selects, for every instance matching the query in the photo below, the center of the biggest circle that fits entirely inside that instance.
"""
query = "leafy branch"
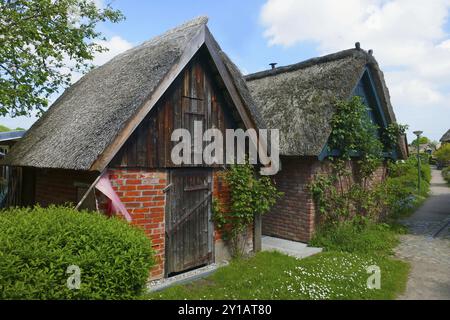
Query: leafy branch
(42, 42)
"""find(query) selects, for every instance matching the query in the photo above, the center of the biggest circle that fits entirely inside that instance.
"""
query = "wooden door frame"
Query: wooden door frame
(167, 215)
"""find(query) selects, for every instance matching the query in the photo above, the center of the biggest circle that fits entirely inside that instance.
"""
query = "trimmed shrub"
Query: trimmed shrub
(443, 154)
(38, 245)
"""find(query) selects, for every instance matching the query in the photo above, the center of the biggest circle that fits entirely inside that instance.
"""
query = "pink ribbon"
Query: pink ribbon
(105, 187)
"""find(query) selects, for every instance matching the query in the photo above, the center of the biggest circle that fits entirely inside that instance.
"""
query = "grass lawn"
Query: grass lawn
(272, 275)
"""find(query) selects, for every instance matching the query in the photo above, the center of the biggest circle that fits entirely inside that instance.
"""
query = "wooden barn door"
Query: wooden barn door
(189, 229)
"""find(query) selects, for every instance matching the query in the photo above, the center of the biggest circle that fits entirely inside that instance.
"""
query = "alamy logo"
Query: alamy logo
(74, 280)
(210, 147)
(374, 281)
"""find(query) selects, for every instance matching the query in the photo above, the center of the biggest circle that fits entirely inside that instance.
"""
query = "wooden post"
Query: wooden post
(257, 233)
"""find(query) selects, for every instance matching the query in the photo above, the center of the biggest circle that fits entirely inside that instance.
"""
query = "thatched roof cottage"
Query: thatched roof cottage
(299, 100)
(118, 119)
(446, 137)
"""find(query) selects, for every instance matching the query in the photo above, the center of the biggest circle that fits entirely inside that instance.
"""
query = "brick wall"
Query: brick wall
(221, 192)
(292, 217)
(55, 186)
(323, 167)
(141, 191)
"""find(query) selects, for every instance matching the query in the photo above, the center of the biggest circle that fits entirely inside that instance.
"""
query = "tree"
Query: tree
(6, 129)
(41, 43)
(422, 140)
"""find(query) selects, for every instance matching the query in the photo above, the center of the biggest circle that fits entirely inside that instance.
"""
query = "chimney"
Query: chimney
(273, 65)
(358, 46)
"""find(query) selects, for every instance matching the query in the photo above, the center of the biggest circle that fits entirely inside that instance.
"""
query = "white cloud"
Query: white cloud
(413, 91)
(115, 46)
(407, 36)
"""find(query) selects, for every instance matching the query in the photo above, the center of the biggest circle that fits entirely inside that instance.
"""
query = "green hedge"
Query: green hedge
(38, 245)
(446, 174)
(402, 194)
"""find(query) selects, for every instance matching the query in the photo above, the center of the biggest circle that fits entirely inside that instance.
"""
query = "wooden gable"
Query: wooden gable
(197, 94)
(366, 90)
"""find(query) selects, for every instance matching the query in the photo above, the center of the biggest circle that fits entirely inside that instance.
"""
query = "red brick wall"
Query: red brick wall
(294, 216)
(323, 167)
(141, 191)
(221, 192)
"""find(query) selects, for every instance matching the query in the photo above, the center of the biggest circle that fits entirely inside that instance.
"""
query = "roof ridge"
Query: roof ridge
(310, 62)
(198, 21)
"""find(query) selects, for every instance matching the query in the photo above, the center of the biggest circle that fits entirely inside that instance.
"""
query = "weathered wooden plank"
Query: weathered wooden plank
(141, 146)
(177, 109)
(189, 243)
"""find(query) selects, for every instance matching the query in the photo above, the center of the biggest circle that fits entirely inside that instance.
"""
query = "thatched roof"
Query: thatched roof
(446, 137)
(298, 99)
(91, 114)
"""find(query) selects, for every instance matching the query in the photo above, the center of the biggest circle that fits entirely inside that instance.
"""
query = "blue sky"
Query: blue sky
(410, 39)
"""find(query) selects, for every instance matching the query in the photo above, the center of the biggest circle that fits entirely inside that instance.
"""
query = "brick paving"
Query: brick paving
(427, 245)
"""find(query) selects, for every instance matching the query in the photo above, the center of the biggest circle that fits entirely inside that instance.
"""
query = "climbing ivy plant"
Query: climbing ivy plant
(353, 137)
(249, 195)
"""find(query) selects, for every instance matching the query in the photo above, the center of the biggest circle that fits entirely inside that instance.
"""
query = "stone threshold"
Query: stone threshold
(183, 278)
(291, 248)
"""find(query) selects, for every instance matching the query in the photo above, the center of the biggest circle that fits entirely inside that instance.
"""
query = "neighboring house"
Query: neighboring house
(445, 138)
(423, 148)
(119, 119)
(8, 139)
(299, 99)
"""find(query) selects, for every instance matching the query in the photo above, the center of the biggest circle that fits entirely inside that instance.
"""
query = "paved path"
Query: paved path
(427, 246)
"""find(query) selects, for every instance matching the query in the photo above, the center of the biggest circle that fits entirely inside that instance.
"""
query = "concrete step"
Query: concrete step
(291, 248)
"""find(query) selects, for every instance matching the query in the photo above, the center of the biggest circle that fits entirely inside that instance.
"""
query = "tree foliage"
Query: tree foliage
(41, 43)
(422, 140)
(7, 129)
